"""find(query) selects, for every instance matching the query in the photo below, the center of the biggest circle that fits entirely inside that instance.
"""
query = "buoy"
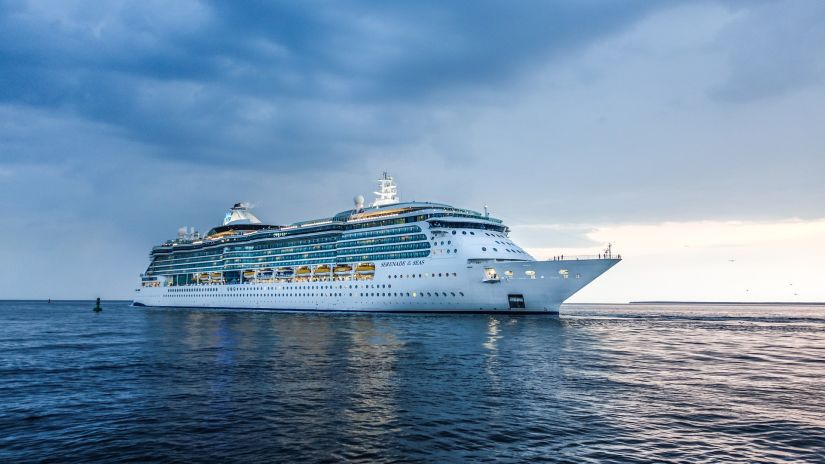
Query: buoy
(97, 306)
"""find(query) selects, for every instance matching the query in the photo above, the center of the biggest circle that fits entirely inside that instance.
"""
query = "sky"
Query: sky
(691, 135)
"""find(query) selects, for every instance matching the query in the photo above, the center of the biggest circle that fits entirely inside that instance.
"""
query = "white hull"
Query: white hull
(441, 287)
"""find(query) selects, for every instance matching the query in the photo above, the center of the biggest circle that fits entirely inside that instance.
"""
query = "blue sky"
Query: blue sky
(122, 121)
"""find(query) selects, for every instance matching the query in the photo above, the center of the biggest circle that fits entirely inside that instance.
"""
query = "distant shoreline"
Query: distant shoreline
(731, 303)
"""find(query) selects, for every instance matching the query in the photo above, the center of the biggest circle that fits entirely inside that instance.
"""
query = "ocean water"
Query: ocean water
(599, 383)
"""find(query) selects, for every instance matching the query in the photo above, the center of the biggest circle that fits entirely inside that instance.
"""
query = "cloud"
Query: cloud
(773, 48)
(276, 80)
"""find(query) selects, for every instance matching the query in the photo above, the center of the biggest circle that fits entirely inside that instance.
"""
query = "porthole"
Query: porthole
(463, 232)
(453, 232)
(483, 248)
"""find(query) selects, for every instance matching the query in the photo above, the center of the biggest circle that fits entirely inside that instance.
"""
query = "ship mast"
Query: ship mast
(387, 193)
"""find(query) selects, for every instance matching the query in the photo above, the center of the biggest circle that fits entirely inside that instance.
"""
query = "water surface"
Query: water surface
(623, 383)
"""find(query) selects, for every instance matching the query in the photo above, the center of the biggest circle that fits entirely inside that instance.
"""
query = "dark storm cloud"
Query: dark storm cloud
(274, 80)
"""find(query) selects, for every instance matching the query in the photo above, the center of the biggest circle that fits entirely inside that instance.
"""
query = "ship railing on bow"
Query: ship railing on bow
(584, 257)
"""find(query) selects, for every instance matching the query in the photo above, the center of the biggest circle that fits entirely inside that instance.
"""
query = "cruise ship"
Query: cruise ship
(390, 256)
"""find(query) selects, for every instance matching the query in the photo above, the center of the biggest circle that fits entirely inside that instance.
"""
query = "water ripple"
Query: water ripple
(600, 384)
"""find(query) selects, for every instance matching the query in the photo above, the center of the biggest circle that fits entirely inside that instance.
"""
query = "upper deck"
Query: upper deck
(376, 216)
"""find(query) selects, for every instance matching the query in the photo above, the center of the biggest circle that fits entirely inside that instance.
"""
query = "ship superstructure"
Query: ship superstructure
(390, 256)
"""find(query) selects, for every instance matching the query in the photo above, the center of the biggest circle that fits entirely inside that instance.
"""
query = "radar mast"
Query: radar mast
(387, 193)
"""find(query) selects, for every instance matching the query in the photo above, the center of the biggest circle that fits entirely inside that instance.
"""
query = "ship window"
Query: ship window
(453, 232)
(483, 248)
(414, 294)
(464, 232)
(472, 233)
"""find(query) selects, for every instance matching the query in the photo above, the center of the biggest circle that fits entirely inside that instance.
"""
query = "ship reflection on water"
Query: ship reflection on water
(599, 383)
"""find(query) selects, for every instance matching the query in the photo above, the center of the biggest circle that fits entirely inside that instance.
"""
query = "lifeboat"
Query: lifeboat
(203, 277)
(215, 277)
(322, 269)
(343, 269)
(248, 274)
(303, 271)
(365, 268)
(265, 273)
(285, 272)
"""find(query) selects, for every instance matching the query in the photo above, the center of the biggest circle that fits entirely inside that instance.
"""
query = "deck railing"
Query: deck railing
(584, 257)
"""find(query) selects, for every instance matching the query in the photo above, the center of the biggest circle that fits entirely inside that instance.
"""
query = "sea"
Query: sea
(599, 383)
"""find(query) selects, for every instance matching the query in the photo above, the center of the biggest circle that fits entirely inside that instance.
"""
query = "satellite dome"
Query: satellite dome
(359, 201)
